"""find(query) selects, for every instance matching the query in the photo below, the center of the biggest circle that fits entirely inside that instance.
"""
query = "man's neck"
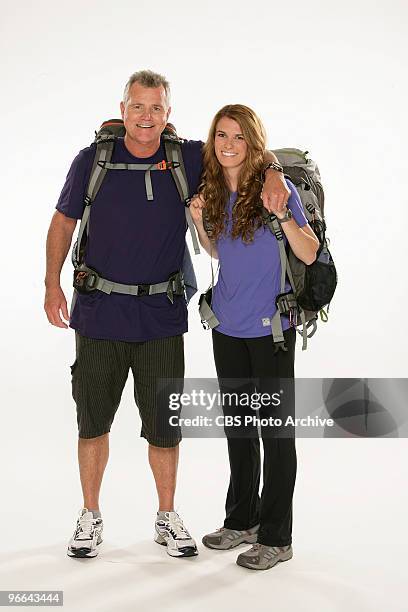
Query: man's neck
(139, 149)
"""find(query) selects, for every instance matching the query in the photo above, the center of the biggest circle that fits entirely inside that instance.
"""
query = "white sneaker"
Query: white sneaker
(171, 532)
(87, 537)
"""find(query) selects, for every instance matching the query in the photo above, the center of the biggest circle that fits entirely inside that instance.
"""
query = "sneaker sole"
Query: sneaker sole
(281, 557)
(243, 540)
(186, 551)
(83, 553)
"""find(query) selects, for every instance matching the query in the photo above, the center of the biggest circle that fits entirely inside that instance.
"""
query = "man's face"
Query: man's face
(145, 114)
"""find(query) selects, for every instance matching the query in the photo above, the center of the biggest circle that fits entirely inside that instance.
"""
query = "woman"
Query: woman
(244, 350)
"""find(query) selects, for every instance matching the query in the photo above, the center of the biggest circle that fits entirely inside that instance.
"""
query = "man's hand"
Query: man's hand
(58, 242)
(275, 192)
(55, 304)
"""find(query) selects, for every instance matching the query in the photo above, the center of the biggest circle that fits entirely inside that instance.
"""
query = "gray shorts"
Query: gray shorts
(99, 375)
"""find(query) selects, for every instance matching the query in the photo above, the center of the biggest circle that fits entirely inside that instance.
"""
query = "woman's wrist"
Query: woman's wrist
(285, 215)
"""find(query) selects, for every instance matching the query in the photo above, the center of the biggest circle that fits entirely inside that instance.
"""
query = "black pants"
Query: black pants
(248, 358)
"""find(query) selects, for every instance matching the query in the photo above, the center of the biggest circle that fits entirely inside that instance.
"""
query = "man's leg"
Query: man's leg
(158, 371)
(98, 377)
(93, 456)
(164, 463)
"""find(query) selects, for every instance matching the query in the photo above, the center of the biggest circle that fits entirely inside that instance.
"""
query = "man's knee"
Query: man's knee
(98, 439)
(157, 444)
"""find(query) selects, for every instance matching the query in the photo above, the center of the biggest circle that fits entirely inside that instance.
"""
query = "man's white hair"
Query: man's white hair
(147, 78)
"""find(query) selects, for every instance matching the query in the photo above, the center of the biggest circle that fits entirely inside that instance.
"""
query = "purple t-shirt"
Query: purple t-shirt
(249, 277)
(131, 240)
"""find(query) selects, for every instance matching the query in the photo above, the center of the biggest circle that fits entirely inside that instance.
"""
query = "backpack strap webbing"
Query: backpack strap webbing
(178, 171)
(276, 324)
(103, 154)
(87, 280)
(208, 317)
(147, 168)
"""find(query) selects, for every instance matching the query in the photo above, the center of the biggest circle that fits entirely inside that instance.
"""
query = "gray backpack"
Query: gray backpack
(312, 286)
(87, 279)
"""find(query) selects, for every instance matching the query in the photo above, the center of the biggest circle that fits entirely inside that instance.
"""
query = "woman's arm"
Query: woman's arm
(302, 240)
(196, 208)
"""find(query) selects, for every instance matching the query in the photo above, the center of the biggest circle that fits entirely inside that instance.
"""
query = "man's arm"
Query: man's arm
(275, 192)
(58, 243)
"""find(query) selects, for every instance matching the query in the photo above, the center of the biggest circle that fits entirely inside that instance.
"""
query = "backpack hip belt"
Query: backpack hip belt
(207, 315)
(87, 280)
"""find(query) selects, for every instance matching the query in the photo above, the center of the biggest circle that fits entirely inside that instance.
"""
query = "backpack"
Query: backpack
(86, 279)
(312, 286)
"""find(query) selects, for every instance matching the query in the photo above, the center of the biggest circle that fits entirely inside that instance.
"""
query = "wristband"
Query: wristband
(288, 216)
(273, 166)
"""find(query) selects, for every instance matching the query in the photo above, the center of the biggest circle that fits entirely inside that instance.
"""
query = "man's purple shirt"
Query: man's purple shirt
(131, 240)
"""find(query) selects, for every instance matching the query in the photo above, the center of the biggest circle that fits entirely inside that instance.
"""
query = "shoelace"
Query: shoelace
(176, 525)
(86, 527)
(257, 546)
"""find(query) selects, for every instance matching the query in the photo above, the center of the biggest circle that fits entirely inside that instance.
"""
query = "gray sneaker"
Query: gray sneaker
(224, 539)
(87, 538)
(171, 532)
(261, 557)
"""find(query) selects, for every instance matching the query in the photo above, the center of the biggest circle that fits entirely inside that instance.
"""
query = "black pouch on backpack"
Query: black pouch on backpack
(320, 282)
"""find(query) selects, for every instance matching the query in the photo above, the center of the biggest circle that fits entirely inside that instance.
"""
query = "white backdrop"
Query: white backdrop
(326, 77)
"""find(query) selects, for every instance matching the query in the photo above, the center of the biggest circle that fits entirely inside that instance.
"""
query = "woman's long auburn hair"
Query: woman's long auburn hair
(246, 214)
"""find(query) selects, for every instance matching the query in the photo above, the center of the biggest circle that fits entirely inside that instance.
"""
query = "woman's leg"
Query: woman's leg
(232, 361)
(274, 372)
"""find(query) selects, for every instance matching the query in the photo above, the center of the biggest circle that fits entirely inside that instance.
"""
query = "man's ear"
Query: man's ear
(168, 112)
(122, 109)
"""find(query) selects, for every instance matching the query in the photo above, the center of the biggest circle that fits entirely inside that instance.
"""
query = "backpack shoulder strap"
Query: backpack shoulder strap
(276, 324)
(174, 154)
(172, 146)
(103, 153)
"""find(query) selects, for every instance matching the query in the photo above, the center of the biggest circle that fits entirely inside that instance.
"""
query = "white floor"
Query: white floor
(350, 533)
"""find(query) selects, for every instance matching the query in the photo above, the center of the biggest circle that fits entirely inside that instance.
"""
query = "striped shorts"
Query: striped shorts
(99, 374)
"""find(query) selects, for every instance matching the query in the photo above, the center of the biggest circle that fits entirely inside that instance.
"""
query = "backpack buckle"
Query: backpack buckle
(85, 279)
(167, 165)
(285, 302)
(280, 345)
(143, 290)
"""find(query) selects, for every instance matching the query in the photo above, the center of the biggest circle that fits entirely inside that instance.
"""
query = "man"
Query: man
(132, 240)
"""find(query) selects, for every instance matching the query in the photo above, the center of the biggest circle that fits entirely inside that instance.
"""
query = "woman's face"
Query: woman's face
(229, 143)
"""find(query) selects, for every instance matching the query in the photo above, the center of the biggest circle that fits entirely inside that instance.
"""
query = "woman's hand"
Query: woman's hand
(196, 209)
